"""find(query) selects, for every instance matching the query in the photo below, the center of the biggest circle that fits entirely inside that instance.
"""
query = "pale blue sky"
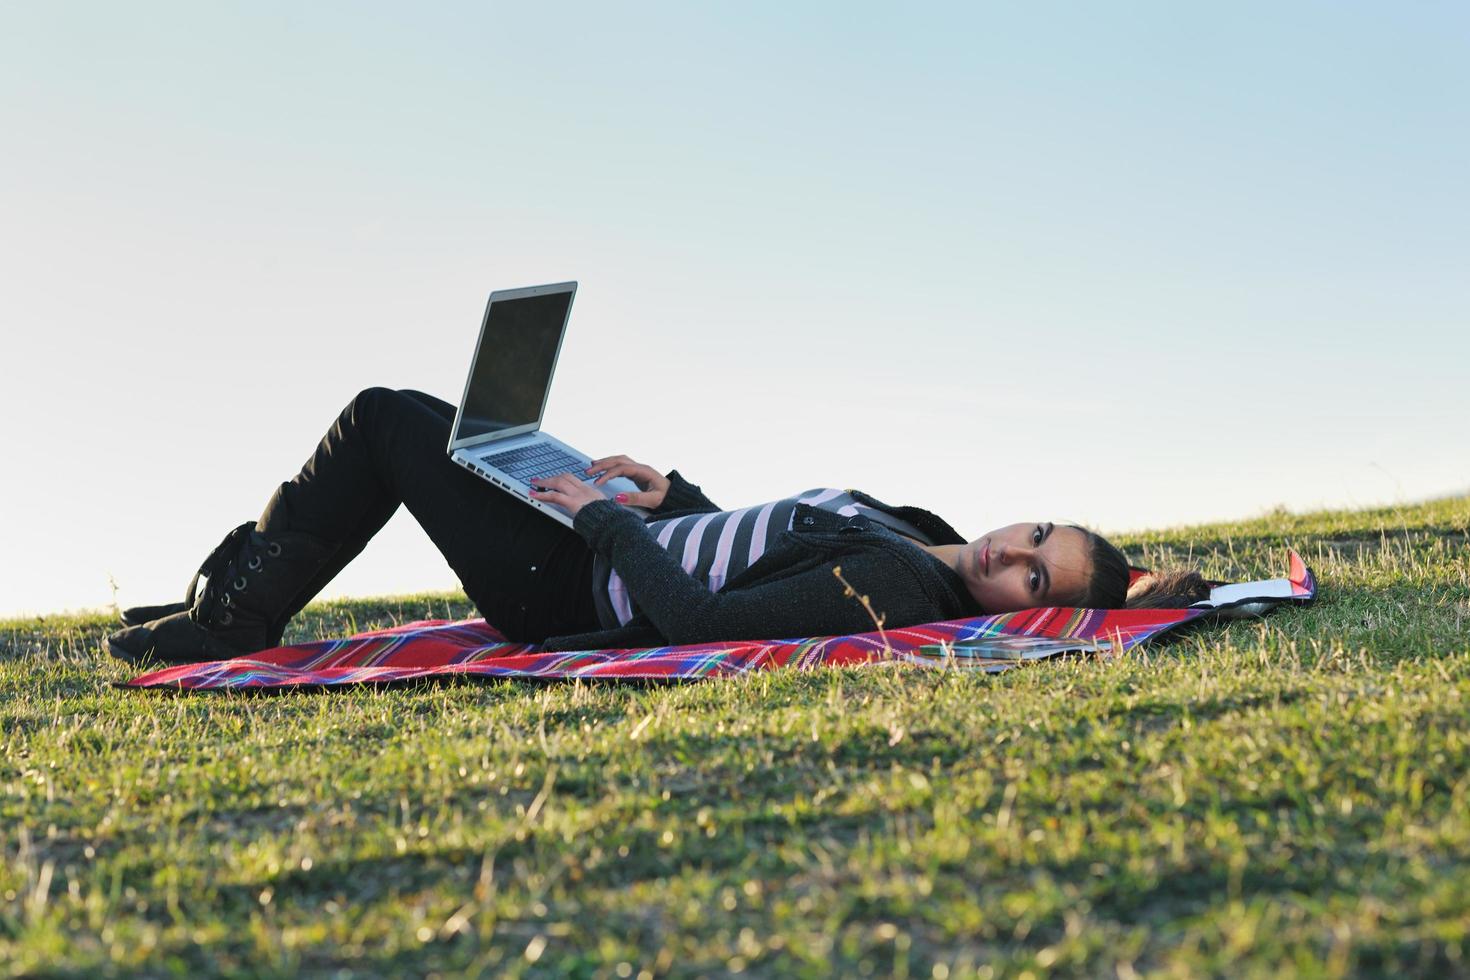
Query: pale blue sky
(1130, 264)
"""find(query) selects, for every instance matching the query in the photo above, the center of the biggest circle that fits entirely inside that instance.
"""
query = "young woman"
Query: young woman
(686, 572)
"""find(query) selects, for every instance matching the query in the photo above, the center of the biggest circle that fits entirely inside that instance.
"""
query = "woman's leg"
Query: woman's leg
(529, 575)
(349, 549)
(370, 524)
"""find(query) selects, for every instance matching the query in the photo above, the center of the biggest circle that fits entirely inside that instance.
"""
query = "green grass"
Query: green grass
(1290, 795)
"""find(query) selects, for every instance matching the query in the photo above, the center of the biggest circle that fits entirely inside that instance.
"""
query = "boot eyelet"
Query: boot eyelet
(226, 618)
(240, 584)
(274, 550)
(254, 563)
(225, 599)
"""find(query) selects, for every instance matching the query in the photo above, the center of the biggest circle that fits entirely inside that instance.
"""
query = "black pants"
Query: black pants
(530, 576)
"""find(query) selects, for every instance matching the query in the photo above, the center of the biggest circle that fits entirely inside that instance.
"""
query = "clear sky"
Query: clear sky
(1131, 264)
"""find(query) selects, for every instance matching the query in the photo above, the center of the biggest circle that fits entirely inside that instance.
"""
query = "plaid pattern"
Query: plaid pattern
(473, 648)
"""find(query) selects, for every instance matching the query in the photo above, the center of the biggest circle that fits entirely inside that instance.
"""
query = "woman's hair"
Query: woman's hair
(1108, 587)
(1174, 589)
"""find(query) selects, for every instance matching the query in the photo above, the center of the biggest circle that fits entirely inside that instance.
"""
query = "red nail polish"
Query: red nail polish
(621, 498)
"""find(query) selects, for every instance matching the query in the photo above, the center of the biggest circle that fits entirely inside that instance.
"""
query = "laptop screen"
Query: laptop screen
(512, 369)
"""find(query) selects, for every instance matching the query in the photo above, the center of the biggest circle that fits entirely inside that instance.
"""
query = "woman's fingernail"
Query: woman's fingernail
(621, 498)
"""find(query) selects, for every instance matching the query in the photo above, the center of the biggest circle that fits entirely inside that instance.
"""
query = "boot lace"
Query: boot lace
(227, 574)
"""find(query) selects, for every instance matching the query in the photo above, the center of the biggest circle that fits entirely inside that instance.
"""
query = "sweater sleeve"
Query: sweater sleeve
(808, 602)
(683, 496)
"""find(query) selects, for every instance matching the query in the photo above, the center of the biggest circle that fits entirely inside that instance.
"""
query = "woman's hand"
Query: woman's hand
(565, 491)
(652, 484)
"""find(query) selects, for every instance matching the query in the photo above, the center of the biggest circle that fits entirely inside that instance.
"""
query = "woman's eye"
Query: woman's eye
(1035, 581)
(1036, 535)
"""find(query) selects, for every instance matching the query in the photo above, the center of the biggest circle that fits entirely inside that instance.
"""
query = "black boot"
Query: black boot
(250, 582)
(141, 615)
(138, 615)
(213, 565)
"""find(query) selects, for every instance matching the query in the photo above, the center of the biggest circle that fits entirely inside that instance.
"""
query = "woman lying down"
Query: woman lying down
(663, 565)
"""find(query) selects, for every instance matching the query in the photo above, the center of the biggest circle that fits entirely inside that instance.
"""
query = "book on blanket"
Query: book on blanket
(1015, 648)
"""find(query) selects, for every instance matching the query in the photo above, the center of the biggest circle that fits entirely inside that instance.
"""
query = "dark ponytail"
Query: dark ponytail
(1109, 588)
(1173, 589)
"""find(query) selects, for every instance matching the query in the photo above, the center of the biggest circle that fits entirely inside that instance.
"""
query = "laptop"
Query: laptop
(497, 430)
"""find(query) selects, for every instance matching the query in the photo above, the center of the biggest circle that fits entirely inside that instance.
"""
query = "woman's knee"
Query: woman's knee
(438, 406)
(371, 404)
(370, 398)
(397, 421)
(371, 411)
(378, 399)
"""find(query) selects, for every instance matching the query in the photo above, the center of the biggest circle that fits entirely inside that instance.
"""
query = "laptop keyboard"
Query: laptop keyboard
(530, 463)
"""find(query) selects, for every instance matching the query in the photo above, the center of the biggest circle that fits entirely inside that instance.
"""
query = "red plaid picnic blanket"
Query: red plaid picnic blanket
(473, 648)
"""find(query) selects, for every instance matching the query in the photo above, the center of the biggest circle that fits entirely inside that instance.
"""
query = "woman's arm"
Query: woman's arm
(809, 601)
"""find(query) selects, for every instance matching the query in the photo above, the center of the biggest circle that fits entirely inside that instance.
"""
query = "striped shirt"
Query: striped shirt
(716, 547)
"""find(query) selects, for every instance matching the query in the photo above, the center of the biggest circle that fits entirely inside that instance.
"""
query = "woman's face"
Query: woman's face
(1026, 565)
